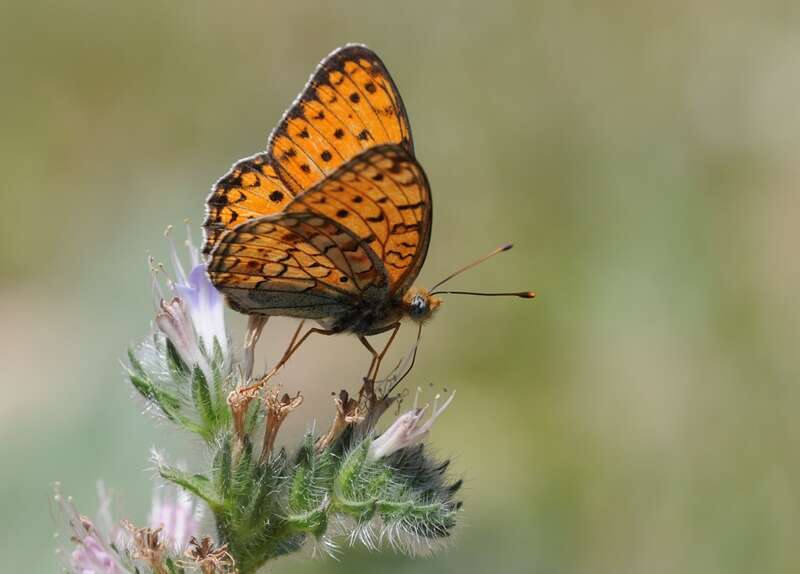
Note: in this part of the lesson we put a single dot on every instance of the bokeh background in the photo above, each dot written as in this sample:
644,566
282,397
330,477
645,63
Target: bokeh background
639,416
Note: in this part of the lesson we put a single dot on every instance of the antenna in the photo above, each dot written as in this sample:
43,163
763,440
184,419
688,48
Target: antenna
489,255
521,294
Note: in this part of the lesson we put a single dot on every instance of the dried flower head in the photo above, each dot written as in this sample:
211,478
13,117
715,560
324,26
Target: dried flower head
278,408
147,545
210,559
349,411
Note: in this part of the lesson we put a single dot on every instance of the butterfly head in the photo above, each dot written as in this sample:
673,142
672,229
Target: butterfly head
420,305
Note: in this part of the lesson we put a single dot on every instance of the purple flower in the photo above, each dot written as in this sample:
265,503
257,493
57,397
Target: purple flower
407,430
178,518
91,557
191,311
174,321
204,302
92,553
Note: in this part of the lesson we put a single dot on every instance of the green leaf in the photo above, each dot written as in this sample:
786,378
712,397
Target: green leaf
136,365
363,510
143,386
314,522
168,402
350,472
202,400
197,484
379,482
303,478
220,398
216,356
177,368
243,474
222,468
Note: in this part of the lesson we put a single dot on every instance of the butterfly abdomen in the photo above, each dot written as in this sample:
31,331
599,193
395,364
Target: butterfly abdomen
368,319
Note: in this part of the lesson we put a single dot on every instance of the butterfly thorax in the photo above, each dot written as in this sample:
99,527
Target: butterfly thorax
373,317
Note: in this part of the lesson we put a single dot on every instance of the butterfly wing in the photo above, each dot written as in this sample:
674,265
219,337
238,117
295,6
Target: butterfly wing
383,198
349,104
358,236
295,264
250,189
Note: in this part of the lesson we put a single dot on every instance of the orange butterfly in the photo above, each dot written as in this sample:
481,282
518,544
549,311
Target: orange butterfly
332,222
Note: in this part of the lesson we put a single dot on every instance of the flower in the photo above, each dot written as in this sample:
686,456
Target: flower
191,310
209,558
91,557
407,430
206,305
178,518
108,547
173,320
93,553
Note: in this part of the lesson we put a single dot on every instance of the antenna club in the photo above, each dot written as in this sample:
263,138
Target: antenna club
528,295
506,247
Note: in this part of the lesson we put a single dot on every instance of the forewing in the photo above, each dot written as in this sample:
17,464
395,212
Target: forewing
250,189
349,104
383,198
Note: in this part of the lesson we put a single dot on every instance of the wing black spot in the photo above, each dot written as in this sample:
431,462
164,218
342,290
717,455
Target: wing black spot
377,177
339,133
326,156
363,134
370,87
358,199
342,213
410,206
355,97
276,196
306,168
303,133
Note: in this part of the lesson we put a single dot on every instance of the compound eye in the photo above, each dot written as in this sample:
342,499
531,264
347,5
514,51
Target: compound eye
418,306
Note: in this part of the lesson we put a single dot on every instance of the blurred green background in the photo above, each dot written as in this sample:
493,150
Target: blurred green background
639,416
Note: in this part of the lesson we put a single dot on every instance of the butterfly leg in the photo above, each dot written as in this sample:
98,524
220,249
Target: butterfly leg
255,324
368,390
374,354
286,353
293,346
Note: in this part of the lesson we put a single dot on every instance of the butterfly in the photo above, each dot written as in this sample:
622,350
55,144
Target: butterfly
332,222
